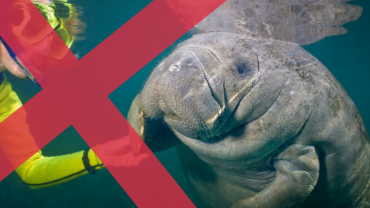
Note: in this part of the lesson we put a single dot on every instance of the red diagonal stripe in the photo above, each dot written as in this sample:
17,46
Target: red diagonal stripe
75,92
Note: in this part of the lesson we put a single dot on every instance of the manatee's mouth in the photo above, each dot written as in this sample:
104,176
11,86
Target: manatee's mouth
225,116
153,131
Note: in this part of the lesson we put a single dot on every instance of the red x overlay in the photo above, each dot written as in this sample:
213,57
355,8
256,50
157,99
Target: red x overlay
75,92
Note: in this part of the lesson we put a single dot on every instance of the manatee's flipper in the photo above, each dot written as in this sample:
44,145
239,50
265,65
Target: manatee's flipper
297,171
154,131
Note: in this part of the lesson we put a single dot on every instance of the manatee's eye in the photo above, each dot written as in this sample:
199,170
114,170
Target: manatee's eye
243,68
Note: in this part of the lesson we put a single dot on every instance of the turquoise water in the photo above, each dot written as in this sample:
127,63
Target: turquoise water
346,56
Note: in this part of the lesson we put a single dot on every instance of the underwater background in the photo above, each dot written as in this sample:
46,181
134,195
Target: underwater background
346,56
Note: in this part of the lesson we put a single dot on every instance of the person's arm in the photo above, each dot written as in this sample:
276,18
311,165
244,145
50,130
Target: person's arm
40,171
19,145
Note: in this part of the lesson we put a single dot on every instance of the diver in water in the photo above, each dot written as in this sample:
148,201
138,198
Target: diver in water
39,171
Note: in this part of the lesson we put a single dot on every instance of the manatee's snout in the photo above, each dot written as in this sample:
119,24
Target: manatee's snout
196,90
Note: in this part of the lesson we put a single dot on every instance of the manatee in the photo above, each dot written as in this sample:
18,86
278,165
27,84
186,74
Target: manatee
257,123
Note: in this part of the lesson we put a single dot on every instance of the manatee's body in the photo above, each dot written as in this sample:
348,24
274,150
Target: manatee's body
262,123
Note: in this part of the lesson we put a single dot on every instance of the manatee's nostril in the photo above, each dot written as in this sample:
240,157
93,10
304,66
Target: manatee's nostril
174,68
241,71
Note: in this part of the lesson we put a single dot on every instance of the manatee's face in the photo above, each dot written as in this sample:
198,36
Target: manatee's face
199,88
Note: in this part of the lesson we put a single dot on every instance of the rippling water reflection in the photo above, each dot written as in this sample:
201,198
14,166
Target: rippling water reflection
302,22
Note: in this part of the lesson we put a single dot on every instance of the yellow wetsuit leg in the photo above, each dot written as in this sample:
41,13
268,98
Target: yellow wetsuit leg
17,143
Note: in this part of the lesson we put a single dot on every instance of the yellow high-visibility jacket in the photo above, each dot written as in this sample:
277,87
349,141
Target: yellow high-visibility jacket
38,171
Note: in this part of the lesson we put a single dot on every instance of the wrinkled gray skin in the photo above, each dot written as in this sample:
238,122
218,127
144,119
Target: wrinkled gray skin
258,123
